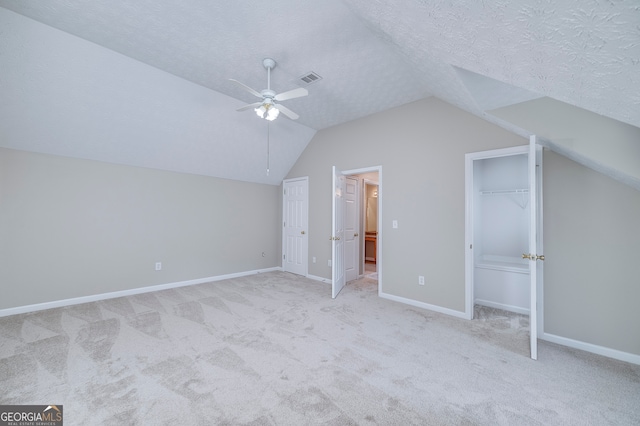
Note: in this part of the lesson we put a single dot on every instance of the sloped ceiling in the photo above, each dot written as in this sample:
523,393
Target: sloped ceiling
371,55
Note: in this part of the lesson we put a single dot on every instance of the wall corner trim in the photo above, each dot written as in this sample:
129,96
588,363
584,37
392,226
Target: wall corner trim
589,347
112,295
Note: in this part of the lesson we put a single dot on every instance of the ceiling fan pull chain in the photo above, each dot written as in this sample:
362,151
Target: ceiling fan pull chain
268,140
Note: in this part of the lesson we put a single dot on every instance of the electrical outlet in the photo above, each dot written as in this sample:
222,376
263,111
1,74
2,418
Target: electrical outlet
158,266
329,263
420,280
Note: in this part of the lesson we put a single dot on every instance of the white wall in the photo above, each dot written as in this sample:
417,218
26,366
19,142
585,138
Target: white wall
72,228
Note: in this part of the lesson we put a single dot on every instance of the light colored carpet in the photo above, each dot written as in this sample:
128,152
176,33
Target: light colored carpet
275,349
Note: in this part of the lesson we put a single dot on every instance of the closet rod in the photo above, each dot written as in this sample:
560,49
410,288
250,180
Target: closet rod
505,191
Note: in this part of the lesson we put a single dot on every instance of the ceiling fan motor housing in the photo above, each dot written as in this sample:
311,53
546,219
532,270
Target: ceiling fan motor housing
269,63
268,94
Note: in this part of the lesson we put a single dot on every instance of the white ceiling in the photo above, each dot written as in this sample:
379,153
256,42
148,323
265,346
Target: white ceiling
373,55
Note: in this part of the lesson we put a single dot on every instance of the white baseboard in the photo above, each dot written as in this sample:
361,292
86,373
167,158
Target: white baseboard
423,305
588,347
323,280
121,293
502,306
576,344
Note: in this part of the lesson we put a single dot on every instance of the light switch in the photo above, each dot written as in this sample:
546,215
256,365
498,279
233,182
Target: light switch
394,224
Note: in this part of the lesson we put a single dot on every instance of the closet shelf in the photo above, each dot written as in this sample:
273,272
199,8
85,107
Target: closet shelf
505,192
519,196
502,263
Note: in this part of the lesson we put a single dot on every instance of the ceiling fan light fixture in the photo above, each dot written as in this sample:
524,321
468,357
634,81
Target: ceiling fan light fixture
272,113
261,111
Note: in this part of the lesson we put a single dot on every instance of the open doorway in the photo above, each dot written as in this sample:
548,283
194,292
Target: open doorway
370,227
503,235
359,222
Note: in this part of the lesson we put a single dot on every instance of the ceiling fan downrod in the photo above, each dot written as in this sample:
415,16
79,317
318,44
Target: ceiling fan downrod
269,64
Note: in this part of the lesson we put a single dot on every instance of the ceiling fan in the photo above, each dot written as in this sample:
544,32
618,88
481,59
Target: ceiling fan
268,108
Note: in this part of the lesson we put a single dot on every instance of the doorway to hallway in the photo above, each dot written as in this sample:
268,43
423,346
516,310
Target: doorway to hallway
357,221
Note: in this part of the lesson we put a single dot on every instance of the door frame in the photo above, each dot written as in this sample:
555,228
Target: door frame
379,257
284,229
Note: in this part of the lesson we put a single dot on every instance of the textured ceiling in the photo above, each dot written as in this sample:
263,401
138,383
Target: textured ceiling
374,55
208,42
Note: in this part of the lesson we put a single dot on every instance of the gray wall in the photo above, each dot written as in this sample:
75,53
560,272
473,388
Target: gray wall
71,228
421,148
592,250
591,229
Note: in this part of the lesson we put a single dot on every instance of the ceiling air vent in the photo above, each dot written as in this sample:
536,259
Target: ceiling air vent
310,77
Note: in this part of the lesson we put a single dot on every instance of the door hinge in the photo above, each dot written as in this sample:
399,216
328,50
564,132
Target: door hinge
284,224
284,192
470,246
284,256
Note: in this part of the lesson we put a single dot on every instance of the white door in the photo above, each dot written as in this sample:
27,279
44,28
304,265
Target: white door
295,220
351,228
337,227
535,255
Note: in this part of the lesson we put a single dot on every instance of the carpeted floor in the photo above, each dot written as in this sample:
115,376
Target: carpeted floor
275,349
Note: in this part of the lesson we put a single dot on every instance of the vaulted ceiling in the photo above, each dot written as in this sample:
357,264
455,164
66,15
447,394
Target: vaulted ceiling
371,56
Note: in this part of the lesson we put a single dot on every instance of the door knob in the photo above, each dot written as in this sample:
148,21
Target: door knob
355,235
533,256
302,232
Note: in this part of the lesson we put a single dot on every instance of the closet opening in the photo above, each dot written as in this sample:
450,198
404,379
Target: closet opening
503,273
499,218
360,236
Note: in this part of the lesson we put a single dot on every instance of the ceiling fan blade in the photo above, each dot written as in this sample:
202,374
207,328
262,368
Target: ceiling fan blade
247,88
291,94
286,111
246,107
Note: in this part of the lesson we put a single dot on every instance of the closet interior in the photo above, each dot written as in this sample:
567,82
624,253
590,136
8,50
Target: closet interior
501,233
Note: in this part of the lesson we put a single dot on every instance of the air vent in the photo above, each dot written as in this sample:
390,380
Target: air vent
310,77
